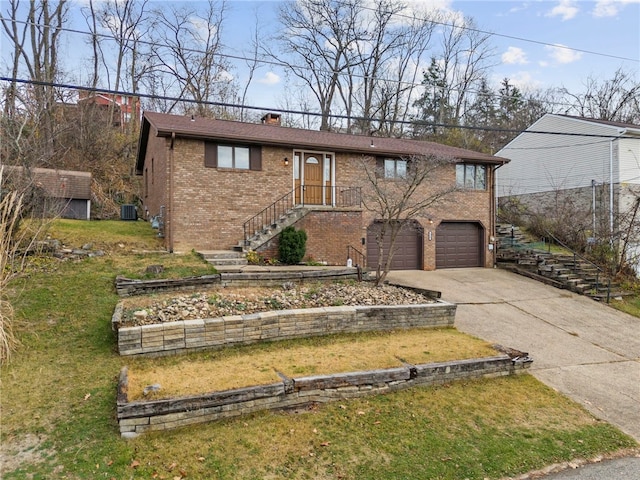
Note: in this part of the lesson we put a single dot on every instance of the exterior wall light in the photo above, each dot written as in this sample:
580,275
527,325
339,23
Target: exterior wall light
286,161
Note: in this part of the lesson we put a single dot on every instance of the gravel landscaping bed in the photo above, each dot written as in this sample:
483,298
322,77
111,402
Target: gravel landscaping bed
246,300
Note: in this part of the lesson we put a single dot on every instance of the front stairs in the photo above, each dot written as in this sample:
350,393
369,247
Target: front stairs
232,260
225,261
266,232
564,271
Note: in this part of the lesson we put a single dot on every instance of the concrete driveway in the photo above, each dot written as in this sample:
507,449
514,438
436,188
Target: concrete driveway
586,350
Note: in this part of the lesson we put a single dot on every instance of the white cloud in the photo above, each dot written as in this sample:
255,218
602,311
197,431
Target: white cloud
561,54
565,9
270,78
514,56
610,8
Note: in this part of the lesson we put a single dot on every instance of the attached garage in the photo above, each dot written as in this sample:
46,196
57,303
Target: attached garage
459,245
408,246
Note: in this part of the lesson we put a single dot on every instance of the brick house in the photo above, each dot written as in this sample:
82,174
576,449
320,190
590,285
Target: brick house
219,185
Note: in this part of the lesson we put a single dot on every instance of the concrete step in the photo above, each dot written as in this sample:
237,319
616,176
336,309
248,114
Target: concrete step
224,258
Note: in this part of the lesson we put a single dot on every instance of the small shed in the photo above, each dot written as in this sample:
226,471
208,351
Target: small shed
66,193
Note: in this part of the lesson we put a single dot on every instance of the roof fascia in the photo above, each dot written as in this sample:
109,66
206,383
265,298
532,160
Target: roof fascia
375,151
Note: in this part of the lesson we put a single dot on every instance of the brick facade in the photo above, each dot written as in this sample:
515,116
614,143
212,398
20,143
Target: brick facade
205,208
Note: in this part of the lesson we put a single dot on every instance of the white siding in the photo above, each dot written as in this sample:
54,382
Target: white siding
629,151
546,162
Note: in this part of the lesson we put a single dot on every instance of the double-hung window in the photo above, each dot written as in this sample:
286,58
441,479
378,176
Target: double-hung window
471,176
395,168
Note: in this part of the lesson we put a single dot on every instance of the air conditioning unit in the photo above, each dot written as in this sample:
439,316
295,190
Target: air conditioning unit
128,212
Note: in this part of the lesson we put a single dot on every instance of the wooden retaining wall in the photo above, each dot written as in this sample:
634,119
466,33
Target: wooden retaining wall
135,418
191,335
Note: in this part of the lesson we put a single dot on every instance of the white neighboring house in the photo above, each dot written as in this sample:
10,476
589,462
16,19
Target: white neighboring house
577,159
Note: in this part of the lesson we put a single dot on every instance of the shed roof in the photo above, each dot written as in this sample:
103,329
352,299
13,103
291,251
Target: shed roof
165,125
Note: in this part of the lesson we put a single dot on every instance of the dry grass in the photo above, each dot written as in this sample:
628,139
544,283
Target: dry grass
247,366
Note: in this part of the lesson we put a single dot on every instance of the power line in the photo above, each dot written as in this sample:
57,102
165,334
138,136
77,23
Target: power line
300,112
265,61
520,39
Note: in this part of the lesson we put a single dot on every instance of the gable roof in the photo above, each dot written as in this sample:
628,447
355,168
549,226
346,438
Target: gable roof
165,125
551,124
67,184
608,123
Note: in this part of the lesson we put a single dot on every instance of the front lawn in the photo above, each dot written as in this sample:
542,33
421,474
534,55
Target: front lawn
58,404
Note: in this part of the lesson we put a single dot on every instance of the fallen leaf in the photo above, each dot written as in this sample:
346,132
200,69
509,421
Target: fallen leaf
172,466
97,465
201,459
325,444
110,463
315,430
87,396
343,407
377,423
135,464
360,412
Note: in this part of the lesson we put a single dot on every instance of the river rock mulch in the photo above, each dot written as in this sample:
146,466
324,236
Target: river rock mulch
246,300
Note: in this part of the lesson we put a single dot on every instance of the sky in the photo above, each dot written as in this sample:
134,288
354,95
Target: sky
603,36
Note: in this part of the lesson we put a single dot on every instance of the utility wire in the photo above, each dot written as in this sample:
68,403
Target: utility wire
300,112
265,61
520,39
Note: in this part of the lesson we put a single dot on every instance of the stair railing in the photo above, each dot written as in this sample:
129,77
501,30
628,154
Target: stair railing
576,255
336,196
358,259
269,215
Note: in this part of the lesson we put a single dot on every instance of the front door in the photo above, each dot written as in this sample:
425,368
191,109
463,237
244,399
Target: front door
313,179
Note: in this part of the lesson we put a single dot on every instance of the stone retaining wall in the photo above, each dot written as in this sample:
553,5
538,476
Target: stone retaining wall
126,287
135,418
190,335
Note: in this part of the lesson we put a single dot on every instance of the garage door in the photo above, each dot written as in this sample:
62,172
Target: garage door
459,244
408,247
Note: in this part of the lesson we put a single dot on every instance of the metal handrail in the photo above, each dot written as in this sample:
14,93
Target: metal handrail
338,196
358,258
268,215
577,255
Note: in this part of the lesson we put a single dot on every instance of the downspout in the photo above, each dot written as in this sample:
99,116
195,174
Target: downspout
620,134
170,194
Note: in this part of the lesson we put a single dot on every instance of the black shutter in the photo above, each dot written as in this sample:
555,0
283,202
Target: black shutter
255,158
210,155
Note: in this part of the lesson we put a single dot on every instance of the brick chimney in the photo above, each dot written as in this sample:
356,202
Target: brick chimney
271,119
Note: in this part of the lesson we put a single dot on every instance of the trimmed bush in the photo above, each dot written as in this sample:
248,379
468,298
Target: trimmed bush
293,244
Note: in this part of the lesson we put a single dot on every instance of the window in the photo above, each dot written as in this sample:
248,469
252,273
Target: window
394,168
232,156
471,176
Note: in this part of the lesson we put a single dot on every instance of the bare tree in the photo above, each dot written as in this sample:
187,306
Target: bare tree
320,37
186,54
35,47
616,99
398,195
